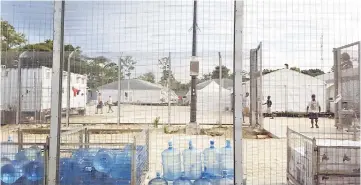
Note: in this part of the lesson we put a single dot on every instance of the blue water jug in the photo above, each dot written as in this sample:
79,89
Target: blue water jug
33,153
203,180
226,179
158,181
211,177
8,174
192,162
182,180
122,165
103,161
84,159
69,171
171,161
212,159
4,161
34,170
226,158
19,165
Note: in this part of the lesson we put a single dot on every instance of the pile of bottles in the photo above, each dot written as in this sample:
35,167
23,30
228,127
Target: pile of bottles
211,166
84,167
21,167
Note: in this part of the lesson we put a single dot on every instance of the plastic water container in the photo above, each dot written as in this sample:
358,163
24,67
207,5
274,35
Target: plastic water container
122,165
192,161
34,170
211,159
18,165
103,161
158,181
4,161
182,180
203,180
171,161
84,158
8,174
8,150
68,172
33,153
226,179
226,158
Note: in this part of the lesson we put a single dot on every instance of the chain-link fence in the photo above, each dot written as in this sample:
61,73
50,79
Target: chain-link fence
122,87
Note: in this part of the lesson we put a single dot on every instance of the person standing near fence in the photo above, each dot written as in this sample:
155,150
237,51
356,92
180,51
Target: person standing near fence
110,104
99,104
313,109
269,107
245,105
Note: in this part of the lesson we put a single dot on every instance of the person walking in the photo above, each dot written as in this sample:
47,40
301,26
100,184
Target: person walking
110,104
245,105
99,104
269,107
313,109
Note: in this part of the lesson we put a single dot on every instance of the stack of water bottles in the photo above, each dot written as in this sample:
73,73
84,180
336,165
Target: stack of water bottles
211,166
21,167
84,167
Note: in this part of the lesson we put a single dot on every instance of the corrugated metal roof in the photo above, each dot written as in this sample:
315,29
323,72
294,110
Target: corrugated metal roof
134,84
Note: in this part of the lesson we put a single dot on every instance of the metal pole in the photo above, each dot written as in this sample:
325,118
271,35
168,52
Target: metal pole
260,85
18,115
168,86
56,93
220,89
237,91
193,111
68,89
119,89
335,77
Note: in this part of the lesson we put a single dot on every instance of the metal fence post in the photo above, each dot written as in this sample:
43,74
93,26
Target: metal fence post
20,139
237,91
134,165
86,135
56,93
147,143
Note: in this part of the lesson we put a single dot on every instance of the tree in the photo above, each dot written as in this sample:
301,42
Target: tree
313,72
10,39
127,65
295,69
266,71
225,72
166,71
149,77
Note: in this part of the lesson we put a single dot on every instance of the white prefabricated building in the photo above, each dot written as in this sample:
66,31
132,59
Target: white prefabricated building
291,91
36,89
208,95
137,91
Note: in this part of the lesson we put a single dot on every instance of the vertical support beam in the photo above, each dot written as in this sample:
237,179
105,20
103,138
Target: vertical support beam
260,70
56,92
134,165
193,111
20,139
220,89
237,91
335,77
119,89
148,145
253,88
169,87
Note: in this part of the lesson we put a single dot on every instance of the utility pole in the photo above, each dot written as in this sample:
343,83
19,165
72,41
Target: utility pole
194,70
220,89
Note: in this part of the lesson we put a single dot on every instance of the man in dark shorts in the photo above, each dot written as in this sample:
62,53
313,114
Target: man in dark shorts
269,107
313,109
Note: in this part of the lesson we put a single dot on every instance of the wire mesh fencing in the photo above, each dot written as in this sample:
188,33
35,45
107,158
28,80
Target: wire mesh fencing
126,91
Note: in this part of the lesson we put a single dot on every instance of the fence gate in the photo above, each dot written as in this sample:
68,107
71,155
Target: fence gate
347,84
256,95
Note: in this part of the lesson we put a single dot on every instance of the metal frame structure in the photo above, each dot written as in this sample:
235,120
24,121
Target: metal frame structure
338,76
237,91
314,157
256,95
84,134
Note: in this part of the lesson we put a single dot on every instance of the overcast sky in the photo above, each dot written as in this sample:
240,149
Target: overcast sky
290,30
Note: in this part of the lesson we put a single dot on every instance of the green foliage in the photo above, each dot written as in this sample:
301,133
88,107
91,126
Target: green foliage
127,65
166,72
149,77
225,72
311,72
10,39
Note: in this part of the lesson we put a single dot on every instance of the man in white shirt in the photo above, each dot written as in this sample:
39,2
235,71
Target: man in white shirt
313,109
110,104
245,105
